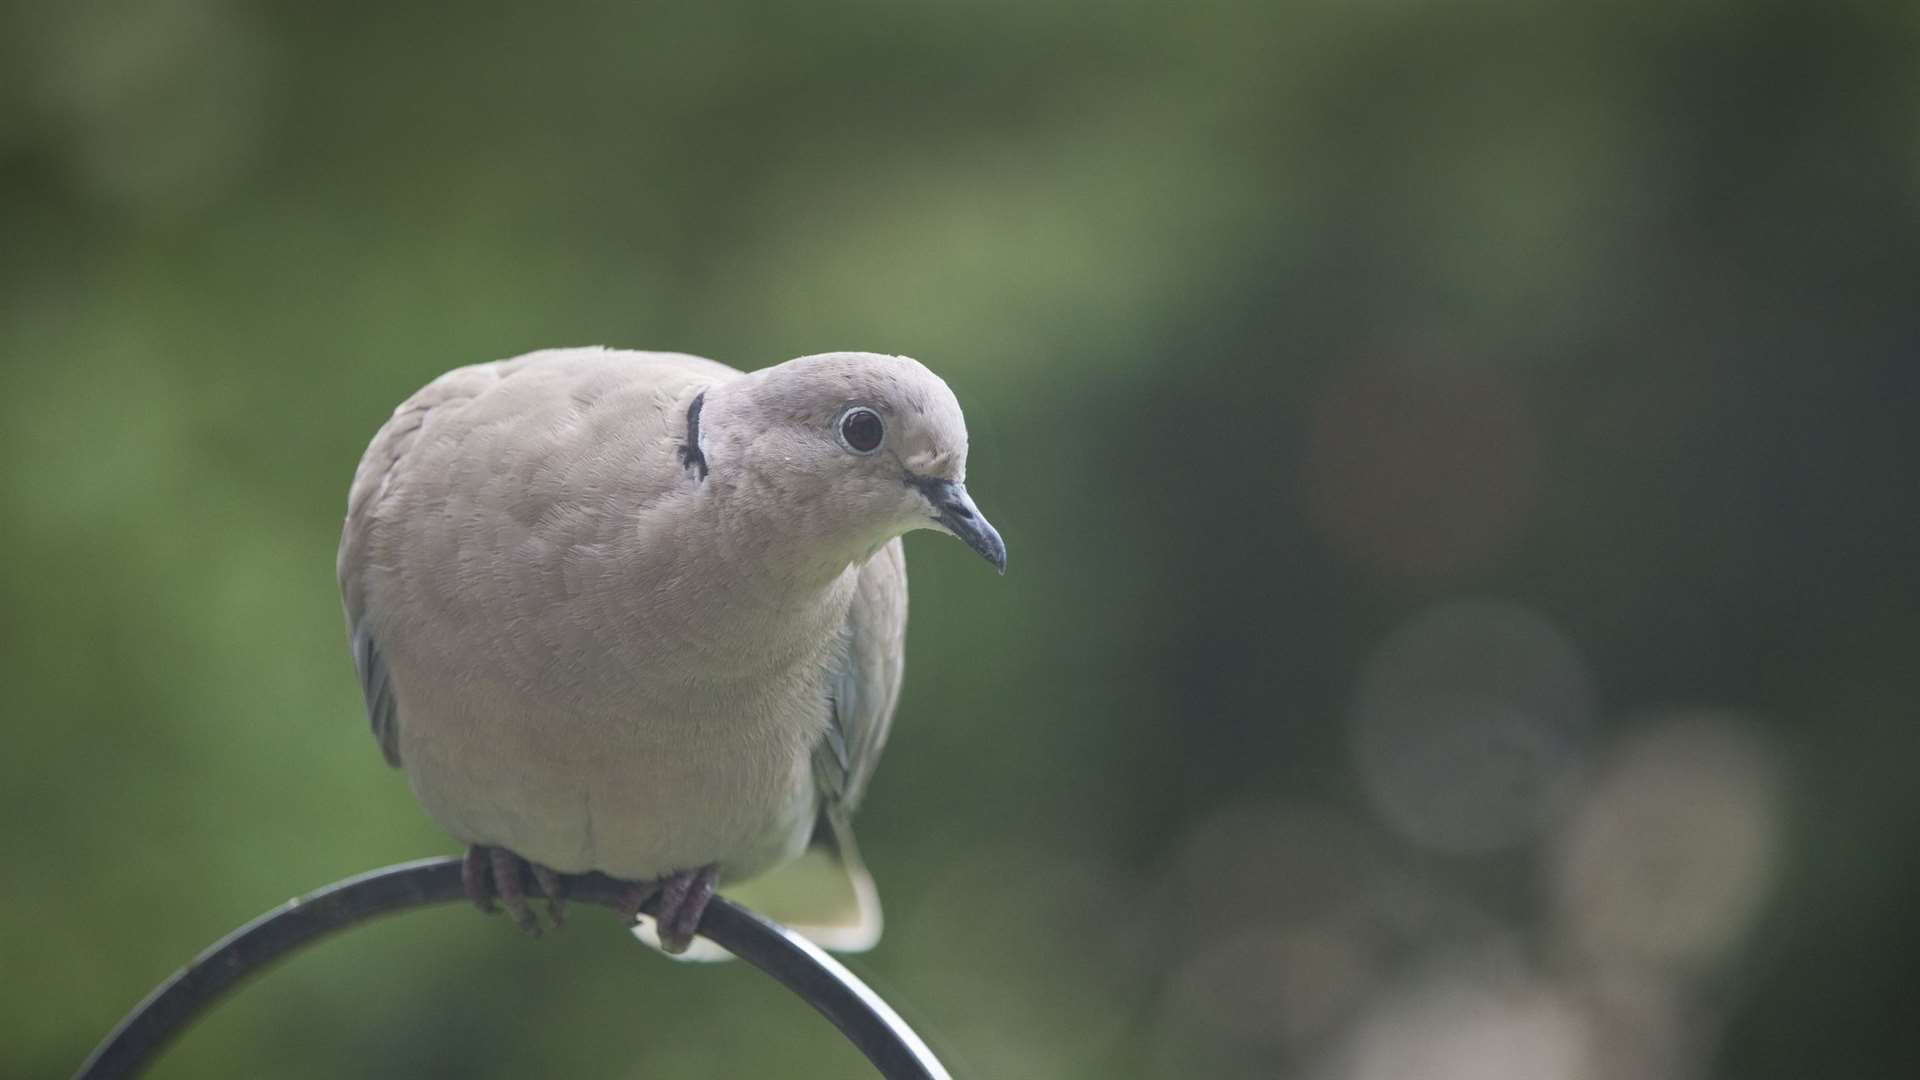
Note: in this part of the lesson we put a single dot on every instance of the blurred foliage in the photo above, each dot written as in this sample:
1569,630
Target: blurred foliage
1458,463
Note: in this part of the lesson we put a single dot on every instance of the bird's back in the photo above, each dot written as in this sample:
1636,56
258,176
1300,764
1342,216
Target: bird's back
460,446
475,514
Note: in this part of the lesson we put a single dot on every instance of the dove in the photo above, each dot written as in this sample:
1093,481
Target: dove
644,614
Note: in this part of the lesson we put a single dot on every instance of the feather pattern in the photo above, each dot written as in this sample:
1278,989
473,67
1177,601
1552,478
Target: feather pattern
863,683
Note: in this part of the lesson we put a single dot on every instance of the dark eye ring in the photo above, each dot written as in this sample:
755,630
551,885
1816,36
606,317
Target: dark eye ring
861,430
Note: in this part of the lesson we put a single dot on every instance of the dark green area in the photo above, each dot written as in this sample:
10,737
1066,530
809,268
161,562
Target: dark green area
1279,327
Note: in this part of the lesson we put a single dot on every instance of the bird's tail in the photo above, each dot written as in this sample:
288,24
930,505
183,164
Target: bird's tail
825,895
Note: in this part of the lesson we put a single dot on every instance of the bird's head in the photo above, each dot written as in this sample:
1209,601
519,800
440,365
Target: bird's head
856,448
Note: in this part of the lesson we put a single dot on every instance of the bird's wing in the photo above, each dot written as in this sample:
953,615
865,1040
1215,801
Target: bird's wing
371,481
461,413
863,686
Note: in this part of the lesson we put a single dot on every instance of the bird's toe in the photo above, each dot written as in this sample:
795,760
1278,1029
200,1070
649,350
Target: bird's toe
633,896
476,878
511,889
683,900
555,888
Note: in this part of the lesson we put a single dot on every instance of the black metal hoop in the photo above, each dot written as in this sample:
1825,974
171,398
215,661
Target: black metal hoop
801,966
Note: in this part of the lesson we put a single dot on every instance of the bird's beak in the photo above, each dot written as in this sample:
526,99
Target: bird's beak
954,511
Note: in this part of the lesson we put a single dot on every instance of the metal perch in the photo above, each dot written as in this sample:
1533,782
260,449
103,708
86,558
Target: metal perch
797,963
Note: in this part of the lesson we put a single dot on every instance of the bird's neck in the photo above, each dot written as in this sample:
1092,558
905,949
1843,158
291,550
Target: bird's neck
718,590
751,557
788,548
788,527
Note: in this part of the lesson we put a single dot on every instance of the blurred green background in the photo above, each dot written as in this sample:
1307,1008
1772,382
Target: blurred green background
1457,458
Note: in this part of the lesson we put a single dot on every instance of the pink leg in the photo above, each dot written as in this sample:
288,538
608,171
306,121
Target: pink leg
555,889
512,893
476,876
683,900
490,872
636,894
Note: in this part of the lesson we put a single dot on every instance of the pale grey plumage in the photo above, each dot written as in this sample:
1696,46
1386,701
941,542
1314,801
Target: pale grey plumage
604,648
863,684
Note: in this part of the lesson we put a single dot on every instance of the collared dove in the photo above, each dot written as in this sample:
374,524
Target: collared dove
644,614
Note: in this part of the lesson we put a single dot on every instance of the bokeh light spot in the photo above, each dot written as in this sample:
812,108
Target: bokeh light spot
1674,849
1477,1016
1469,725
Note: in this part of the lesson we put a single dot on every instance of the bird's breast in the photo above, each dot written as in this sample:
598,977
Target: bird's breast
639,776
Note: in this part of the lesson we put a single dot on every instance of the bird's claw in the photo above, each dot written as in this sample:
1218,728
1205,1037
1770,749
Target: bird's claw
683,900
637,893
555,888
488,873
491,873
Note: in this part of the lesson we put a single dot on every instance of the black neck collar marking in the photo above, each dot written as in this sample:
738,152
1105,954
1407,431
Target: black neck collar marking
690,455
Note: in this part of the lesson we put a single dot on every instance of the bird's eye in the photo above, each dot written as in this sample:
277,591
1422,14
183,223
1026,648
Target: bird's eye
861,430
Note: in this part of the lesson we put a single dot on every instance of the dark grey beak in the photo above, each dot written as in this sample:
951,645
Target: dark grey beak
953,508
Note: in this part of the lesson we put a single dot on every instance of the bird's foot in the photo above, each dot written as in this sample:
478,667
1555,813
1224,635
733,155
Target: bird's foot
683,900
491,872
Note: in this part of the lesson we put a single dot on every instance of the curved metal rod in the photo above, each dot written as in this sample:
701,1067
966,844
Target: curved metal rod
797,963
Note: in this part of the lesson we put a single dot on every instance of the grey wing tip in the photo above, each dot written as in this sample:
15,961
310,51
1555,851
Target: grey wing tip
377,688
